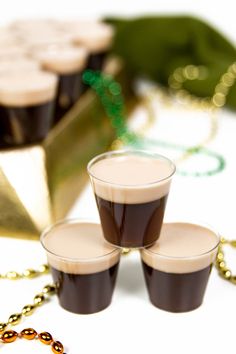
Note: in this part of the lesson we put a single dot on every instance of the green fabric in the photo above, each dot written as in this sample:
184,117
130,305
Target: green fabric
154,46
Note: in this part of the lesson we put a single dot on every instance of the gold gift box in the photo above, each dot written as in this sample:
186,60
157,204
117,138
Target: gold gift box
39,184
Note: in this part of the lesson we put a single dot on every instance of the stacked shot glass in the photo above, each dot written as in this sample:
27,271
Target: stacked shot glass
131,190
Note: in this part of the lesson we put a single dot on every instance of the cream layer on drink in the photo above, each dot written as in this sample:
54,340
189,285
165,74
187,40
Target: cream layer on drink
182,248
131,179
79,248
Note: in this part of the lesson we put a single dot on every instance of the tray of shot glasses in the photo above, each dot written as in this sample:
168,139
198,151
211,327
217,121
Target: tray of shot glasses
51,124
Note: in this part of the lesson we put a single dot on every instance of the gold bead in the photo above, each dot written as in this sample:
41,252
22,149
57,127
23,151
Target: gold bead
220,256
45,338
57,347
220,265
174,84
28,310
182,94
39,299
12,275
3,326
9,336
206,104
228,79
178,75
29,273
191,72
226,273
14,319
44,268
28,333
49,289
125,251
218,99
221,88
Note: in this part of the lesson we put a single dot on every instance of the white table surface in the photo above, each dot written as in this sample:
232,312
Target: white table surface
131,323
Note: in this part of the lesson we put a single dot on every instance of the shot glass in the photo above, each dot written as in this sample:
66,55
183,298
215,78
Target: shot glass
83,265
27,103
97,37
68,63
177,267
131,190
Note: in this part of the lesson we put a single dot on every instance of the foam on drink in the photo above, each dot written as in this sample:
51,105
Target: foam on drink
95,36
182,248
22,90
62,59
79,248
22,64
133,178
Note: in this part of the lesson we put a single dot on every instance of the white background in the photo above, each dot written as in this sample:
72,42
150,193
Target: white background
220,13
132,324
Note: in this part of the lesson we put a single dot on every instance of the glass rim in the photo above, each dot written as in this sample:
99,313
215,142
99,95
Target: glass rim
130,151
198,223
74,259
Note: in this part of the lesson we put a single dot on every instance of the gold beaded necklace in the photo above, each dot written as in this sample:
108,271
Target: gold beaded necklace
11,336
39,298
221,265
28,273
27,310
47,292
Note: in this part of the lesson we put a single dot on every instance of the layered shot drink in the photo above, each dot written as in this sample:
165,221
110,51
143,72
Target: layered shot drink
97,37
131,190
27,103
178,265
68,62
83,265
